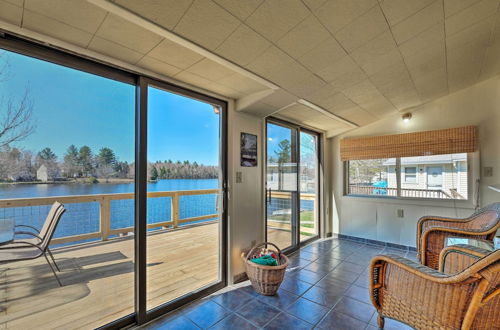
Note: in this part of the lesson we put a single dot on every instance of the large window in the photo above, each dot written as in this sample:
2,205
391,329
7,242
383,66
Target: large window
436,176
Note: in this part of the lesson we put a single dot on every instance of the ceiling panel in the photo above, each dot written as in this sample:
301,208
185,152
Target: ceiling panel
363,58
206,24
155,10
310,117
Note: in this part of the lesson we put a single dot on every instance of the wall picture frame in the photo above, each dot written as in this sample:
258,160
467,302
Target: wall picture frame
248,150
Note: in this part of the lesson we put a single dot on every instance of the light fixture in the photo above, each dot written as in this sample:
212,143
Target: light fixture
406,117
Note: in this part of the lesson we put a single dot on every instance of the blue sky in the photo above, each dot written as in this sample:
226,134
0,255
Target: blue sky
73,107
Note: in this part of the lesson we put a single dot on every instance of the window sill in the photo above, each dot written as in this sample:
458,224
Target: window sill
460,203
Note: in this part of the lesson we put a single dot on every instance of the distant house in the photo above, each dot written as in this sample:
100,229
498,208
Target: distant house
42,173
447,173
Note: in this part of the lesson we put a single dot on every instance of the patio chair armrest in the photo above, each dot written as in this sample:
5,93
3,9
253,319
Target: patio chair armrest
27,226
428,221
27,233
457,257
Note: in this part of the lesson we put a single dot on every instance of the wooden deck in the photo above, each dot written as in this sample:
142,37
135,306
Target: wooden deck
98,279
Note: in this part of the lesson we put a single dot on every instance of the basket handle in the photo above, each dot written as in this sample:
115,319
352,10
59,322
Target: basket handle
261,244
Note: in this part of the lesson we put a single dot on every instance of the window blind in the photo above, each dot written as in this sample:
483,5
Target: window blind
438,142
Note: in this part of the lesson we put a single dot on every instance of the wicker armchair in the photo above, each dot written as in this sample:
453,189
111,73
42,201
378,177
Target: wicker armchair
432,231
427,299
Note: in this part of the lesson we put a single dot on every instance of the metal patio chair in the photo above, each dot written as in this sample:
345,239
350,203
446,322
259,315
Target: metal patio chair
32,248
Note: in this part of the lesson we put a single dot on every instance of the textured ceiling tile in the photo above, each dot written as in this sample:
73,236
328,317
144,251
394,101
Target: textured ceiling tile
367,96
207,24
478,33
77,13
396,85
260,109
270,63
240,9
310,117
314,4
358,116
471,15
42,24
463,65
397,10
11,13
323,94
451,7
428,60
121,31
432,85
362,29
273,19
343,73
279,98
429,38
322,55
336,14
243,46
241,83
421,21
491,64
303,37
18,3
210,70
158,66
174,54
115,50
166,13
304,84
377,54
198,81
338,103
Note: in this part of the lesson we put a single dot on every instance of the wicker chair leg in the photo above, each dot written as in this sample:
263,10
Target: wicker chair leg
380,322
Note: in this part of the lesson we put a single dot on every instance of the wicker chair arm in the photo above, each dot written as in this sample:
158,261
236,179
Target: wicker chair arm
468,254
427,221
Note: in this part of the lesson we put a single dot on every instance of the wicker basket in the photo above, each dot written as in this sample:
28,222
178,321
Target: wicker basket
265,279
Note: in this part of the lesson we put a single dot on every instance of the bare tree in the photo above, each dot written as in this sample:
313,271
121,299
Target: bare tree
16,121
16,118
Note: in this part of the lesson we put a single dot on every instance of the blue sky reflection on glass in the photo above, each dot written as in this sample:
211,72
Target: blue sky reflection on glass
74,107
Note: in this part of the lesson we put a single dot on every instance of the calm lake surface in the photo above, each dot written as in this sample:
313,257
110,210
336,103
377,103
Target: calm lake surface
83,218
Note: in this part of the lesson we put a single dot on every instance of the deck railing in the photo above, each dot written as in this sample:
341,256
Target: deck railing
405,192
104,200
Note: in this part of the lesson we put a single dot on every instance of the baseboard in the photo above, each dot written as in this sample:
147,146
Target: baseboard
241,277
375,242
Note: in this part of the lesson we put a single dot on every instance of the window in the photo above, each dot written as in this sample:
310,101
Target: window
372,177
411,174
436,176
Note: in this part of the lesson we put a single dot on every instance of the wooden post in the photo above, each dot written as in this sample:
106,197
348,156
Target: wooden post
105,217
175,209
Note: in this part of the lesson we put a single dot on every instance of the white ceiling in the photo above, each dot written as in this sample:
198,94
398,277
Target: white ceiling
357,59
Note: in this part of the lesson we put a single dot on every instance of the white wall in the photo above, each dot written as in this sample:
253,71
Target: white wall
375,218
246,207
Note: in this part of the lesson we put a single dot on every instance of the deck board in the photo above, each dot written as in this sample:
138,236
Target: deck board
98,279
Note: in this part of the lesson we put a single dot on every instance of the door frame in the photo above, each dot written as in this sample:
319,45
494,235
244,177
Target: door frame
23,46
295,225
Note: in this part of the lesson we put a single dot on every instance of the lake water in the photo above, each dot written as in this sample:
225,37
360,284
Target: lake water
83,218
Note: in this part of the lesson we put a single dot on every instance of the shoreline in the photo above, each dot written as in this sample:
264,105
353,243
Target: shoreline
79,181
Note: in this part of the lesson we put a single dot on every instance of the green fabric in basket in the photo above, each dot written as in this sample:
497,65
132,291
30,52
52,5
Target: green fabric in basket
266,260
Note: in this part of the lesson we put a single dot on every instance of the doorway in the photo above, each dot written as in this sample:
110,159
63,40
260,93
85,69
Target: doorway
292,184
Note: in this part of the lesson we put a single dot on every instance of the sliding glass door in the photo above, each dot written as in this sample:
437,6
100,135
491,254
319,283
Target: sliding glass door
139,165
292,190
184,185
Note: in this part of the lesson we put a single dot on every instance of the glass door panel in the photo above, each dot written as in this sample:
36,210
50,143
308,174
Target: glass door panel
308,181
184,189
281,185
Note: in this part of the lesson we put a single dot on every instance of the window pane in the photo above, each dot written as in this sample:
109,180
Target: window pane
74,140
436,176
372,177
308,167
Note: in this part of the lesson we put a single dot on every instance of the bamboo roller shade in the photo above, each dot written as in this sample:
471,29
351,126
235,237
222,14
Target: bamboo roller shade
439,142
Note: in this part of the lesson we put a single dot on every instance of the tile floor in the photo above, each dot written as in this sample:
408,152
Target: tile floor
325,287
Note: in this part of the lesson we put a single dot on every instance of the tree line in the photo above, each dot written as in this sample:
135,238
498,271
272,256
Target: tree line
22,166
